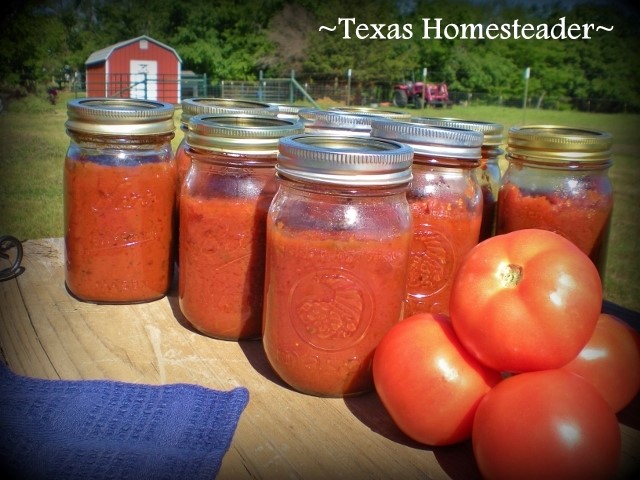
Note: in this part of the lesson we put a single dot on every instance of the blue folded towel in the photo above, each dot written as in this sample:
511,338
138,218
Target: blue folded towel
101,429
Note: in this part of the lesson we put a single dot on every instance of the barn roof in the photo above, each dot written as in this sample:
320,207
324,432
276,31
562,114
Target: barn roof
101,55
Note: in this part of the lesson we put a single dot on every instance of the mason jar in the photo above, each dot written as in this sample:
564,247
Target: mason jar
119,199
223,209
446,205
488,172
212,106
338,241
557,179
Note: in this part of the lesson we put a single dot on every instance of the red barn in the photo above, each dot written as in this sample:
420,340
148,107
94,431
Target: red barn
138,68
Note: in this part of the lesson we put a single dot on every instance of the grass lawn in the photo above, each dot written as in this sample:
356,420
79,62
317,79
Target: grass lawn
32,157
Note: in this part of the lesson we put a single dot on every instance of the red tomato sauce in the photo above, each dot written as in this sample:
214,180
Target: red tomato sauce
330,303
119,230
222,260
584,221
444,231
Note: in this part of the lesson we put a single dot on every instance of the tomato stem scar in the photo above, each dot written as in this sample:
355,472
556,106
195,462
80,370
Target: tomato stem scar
510,275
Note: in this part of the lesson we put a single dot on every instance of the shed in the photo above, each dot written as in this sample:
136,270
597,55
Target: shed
138,68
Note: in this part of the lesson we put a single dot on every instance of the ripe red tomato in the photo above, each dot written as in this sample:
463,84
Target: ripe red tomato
526,300
611,361
549,424
427,382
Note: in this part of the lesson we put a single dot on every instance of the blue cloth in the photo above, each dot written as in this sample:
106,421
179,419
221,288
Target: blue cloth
101,429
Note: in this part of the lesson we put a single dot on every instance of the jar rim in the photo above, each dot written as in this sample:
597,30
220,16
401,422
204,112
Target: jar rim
492,132
375,112
240,133
430,140
336,122
288,107
221,105
344,160
559,143
119,116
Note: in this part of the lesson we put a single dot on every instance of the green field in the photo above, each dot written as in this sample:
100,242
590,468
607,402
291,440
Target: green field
32,156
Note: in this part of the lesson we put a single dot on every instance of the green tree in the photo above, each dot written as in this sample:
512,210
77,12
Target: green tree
225,39
40,40
368,57
32,45
609,63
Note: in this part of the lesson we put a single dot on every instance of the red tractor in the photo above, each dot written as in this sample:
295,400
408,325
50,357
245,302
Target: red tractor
435,94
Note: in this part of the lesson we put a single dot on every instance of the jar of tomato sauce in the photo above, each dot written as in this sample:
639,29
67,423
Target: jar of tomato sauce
119,199
338,240
344,122
557,179
214,105
446,205
488,172
223,209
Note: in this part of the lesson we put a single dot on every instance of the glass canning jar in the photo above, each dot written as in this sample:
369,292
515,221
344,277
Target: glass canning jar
212,106
223,209
488,172
446,205
338,240
119,199
557,179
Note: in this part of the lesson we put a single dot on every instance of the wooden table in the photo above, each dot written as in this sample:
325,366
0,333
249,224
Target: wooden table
46,333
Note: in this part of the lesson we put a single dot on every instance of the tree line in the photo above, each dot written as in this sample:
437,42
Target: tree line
43,41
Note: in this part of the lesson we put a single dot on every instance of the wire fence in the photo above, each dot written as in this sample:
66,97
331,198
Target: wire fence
326,89
380,93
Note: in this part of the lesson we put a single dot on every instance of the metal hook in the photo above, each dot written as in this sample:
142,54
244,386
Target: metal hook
8,242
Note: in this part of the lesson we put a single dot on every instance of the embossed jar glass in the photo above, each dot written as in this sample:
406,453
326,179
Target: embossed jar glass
338,240
223,208
119,199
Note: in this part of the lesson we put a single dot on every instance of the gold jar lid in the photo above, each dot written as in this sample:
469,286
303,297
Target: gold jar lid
559,143
492,132
240,133
119,116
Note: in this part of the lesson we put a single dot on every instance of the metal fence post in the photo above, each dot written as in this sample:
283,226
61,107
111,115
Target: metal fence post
526,75
260,86
293,79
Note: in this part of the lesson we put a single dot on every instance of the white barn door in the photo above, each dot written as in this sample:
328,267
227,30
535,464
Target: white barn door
138,69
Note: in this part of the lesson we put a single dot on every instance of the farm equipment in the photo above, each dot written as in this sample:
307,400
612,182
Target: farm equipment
421,95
